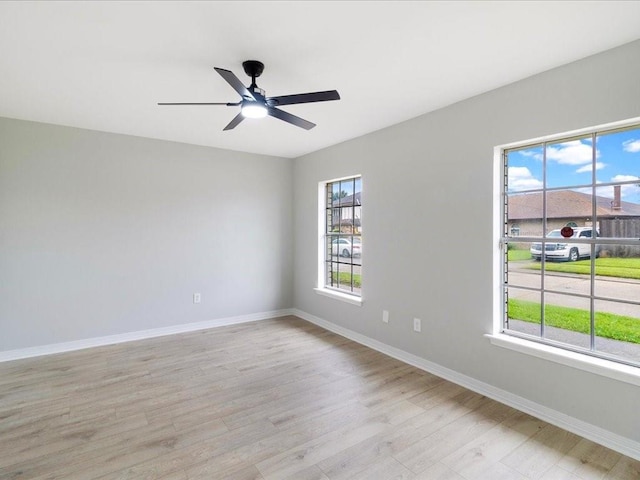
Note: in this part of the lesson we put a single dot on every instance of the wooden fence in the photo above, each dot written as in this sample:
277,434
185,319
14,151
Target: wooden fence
620,228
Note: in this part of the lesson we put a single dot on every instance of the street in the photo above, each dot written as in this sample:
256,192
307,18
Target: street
610,287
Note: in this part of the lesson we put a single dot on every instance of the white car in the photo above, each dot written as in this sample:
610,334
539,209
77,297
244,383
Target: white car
342,246
565,251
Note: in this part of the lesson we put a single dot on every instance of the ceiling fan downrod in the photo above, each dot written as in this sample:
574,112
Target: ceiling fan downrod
253,68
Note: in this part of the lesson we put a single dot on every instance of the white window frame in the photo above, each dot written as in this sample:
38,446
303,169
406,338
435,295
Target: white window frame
321,288
600,366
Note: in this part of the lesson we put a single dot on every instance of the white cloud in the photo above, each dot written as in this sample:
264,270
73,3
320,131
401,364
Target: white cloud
586,191
631,146
571,153
520,178
575,152
624,178
626,191
532,153
587,167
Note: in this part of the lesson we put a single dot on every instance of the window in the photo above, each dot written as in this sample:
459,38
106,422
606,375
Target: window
341,239
571,270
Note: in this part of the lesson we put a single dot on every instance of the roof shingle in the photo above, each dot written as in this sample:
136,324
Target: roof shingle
566,204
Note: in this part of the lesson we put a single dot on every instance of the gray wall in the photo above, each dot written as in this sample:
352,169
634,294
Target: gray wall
105,234
428,232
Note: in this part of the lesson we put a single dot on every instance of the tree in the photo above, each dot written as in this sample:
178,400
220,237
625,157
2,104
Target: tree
337,196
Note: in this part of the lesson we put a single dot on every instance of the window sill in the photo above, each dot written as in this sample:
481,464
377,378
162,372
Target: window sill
343,297
599,366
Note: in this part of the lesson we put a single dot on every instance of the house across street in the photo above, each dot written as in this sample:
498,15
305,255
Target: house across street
615,218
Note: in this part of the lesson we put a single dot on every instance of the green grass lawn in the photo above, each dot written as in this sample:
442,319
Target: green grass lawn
607,267
345,279
608,325
516,255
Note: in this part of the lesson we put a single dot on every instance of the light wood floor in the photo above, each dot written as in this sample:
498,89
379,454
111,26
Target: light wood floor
277,399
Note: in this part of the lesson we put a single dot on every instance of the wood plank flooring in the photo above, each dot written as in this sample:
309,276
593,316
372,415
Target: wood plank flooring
278,399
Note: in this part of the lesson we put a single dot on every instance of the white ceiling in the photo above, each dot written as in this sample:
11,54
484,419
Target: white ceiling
105,65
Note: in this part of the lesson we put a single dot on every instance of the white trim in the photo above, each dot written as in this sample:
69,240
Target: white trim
29,352
321,231
599,366
580,361
343,297
339,179
599,435
498,225
322,206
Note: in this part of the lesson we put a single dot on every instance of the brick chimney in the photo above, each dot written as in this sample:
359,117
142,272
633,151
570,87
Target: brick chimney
616,204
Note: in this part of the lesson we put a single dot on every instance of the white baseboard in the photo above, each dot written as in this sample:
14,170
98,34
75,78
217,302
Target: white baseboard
591,432
139,335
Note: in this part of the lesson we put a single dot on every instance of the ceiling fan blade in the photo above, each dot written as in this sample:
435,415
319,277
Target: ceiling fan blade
292,119
304,98
235,83
235,122
191,103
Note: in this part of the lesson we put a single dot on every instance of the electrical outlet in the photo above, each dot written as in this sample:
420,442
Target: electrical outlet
417,325
196,298
385,316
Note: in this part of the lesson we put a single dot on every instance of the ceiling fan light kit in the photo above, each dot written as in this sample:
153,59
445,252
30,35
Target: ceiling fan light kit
253,110
255,104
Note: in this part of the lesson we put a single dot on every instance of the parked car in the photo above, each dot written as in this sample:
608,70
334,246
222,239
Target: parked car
565,251
342,246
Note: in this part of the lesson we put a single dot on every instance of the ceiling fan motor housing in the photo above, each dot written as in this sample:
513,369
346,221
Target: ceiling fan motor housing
253,68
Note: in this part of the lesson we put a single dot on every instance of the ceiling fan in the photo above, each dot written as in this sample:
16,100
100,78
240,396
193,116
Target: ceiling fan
255,103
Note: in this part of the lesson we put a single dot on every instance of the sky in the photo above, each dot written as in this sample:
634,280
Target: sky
570,164
347,186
